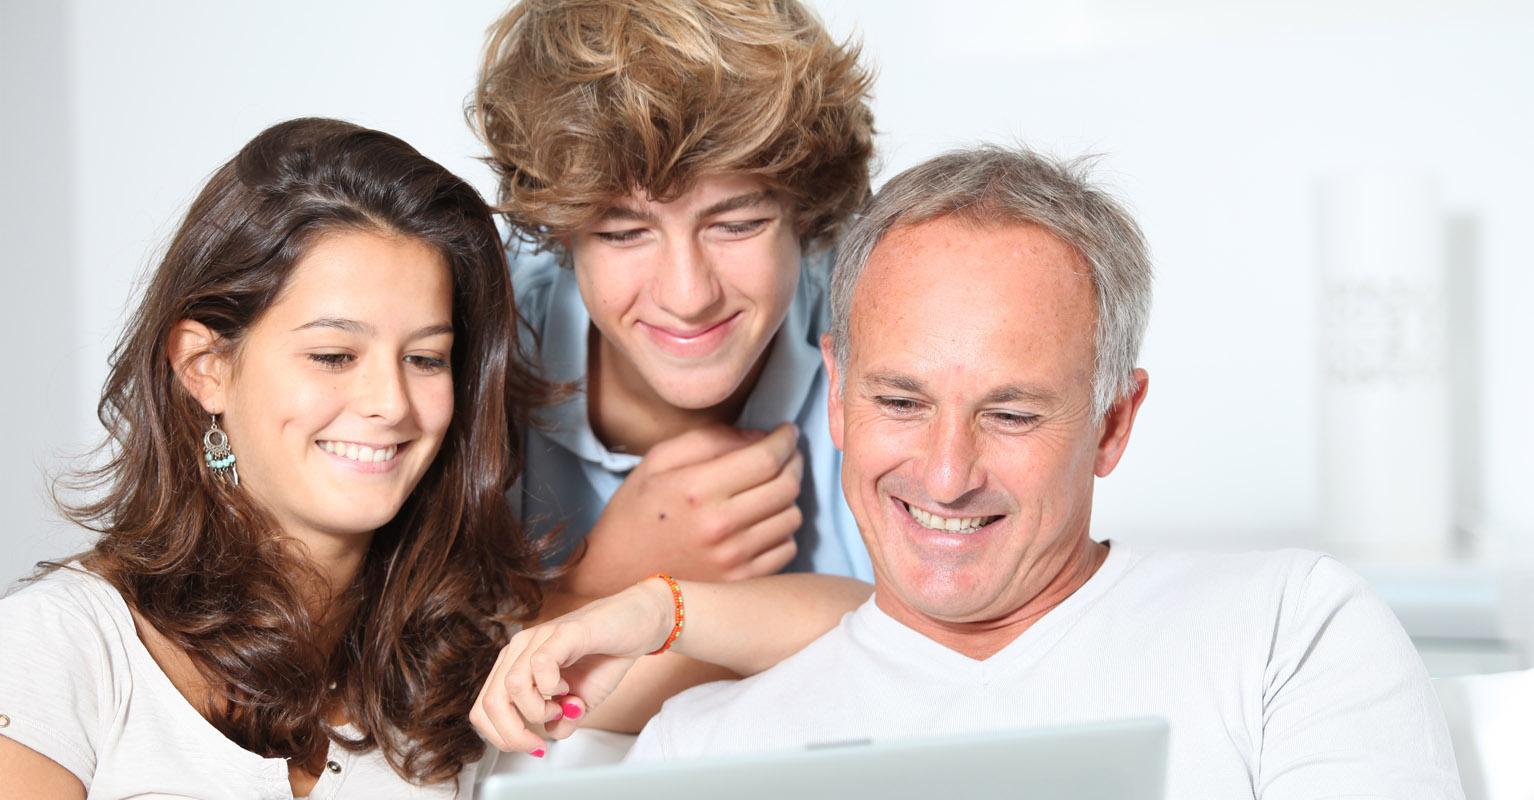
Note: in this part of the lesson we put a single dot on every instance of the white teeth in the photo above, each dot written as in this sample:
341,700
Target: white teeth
954,524
359,452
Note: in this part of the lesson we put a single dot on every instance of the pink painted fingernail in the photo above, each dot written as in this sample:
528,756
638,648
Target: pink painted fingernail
572,711
539,753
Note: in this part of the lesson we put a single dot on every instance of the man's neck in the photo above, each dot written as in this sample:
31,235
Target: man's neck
984,638
628,416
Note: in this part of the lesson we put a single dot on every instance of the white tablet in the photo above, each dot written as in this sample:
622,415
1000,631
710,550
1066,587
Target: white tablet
1124,760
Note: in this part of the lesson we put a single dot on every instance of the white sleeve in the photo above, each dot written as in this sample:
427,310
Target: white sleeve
54,677
1348,709
652,744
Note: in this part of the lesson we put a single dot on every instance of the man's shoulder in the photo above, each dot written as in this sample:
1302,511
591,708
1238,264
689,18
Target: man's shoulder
1231,588
1201,571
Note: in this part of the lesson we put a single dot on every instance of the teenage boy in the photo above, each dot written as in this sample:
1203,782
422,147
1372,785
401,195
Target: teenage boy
677,174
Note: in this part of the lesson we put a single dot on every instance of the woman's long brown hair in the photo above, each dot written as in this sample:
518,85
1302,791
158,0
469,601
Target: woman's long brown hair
207,567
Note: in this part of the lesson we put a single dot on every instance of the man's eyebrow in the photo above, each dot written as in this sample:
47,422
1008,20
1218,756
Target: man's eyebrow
893,381
737,202
1020,393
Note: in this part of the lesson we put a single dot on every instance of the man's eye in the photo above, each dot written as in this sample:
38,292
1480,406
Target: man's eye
1012,419
331,360
898,405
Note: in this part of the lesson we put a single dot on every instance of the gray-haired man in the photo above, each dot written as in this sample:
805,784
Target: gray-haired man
989,309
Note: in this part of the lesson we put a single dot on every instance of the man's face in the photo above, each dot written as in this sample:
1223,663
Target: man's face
966,417
688,294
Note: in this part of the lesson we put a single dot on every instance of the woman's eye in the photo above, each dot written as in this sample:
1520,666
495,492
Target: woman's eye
331,360
427,364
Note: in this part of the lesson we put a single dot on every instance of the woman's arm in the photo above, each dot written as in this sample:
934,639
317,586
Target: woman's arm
554,673
34,776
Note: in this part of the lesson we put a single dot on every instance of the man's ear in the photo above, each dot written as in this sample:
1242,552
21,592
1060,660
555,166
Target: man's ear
833,390
197,356
1119,421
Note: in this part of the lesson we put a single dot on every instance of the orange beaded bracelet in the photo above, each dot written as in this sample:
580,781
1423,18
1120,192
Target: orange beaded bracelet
676,604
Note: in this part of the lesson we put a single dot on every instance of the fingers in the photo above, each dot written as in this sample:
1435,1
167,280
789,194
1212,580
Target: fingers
772,561
764,500
768,545
755,463
573,709
532,701
495,716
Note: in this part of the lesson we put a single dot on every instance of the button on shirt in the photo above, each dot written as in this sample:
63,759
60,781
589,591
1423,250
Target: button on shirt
570,474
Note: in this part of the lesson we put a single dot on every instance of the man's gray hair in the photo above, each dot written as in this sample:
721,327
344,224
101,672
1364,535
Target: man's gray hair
993,184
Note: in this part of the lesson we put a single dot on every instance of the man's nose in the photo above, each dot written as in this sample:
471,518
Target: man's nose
685,284
953,460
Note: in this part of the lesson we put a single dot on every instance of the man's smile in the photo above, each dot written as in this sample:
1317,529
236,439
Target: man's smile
946,524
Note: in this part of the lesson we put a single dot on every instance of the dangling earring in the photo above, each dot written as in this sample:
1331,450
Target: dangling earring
217,455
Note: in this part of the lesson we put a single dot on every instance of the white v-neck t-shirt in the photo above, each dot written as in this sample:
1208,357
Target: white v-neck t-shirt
1282,676
78,686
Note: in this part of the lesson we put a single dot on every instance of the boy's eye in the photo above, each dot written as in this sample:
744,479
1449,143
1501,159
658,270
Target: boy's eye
619,237
742,228
331,360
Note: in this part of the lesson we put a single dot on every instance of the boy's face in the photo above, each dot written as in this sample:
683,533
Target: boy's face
688,294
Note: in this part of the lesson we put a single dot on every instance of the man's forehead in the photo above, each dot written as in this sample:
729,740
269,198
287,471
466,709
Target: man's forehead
896,379
1008,302
1006,266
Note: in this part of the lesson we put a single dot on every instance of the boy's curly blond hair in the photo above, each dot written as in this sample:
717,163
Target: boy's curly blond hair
584,101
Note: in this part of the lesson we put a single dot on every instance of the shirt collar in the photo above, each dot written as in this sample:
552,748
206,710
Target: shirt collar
563,351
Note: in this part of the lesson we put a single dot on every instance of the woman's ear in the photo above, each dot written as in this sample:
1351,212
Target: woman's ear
197,356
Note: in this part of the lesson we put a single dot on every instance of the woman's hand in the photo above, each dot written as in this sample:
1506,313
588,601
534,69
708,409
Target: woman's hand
552,674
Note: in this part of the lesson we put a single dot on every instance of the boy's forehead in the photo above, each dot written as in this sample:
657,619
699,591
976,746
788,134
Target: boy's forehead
711,194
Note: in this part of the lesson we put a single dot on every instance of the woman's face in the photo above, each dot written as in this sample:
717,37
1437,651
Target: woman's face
342,391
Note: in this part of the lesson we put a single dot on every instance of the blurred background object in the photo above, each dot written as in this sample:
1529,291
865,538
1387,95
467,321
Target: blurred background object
1216,121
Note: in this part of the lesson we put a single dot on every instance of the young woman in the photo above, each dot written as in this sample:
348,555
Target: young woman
305,548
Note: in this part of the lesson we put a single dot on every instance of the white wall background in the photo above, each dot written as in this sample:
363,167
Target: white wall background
1216,120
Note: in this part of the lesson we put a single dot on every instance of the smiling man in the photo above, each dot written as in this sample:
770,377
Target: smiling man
989,308
678,173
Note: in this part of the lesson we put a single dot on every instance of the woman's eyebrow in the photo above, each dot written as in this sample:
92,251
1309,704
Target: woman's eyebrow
338,323
363,328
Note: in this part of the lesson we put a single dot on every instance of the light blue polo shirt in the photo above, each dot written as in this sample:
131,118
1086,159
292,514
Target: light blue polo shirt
570,475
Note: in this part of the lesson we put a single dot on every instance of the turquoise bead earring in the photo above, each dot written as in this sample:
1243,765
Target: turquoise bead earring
217,455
